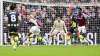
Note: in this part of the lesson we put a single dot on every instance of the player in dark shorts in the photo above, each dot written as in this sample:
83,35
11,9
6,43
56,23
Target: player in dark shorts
13,19
73,27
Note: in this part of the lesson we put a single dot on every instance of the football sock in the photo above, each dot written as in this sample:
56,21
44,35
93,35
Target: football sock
40,38
25,38
82,38
12,42
68,40
16,38
31,40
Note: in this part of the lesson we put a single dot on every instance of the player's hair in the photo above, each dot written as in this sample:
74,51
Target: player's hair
32,16
59,16
80,8
12,7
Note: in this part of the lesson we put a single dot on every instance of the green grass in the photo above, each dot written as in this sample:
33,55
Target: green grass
51,51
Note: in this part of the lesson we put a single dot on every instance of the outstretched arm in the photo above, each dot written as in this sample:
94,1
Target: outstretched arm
33,21
53,27
65,27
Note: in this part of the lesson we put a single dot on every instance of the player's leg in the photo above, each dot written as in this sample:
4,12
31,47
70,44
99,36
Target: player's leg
84,34
31,37
41,39
26,41
80,36
16,39
84,31
63,35
13,42
78,33
12,39
71,31
52,35
68,38
30,32
16,35
79,29
37,32
12,35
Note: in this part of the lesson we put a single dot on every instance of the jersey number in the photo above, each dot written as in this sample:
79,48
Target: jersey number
13,18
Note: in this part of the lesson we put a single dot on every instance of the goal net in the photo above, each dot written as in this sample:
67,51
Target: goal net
46,12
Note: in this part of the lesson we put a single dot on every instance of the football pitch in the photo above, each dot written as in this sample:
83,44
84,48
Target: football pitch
80,50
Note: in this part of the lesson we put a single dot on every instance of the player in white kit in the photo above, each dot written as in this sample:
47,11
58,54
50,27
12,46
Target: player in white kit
58,27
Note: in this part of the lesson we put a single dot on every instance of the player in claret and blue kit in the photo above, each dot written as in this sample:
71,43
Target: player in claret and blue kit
35,30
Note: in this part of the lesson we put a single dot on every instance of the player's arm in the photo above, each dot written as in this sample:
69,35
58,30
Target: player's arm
70,19
33,21
19,18
86,18
65,27
6,19
53,27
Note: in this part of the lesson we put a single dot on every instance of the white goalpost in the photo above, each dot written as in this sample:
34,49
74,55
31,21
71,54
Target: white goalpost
1,22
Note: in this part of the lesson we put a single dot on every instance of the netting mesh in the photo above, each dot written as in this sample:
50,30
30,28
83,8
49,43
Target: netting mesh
48,14
58,1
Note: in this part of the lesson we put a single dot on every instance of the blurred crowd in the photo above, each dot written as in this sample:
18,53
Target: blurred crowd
48,14
57,1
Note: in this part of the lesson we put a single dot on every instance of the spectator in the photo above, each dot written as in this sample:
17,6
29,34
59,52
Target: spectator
48,25
88,12
92,1
44,1
38,14
64,18
43,12
67,1
28,11
18,7
22,23
93,13
53,17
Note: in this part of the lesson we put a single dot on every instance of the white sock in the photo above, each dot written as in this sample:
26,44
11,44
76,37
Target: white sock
69,43
14,46
50,40
85,40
